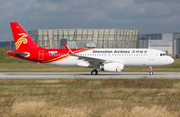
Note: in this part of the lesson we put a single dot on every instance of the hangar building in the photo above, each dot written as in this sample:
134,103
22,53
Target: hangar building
176,43
99,38
157,41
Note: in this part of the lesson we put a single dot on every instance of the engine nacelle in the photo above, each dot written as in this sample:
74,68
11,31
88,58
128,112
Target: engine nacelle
112,67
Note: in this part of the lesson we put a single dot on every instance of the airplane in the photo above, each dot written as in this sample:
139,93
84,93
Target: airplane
110,60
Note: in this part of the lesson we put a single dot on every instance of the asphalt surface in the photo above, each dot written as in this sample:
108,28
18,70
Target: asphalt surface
87,75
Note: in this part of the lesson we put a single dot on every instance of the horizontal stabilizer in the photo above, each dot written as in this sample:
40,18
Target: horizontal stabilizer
23,54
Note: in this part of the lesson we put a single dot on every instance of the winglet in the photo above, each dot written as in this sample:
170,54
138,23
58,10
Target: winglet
67,48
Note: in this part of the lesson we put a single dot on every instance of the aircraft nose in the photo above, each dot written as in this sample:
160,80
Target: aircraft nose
171,60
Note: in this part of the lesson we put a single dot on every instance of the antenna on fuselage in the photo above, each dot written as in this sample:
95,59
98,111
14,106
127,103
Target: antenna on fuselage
149,40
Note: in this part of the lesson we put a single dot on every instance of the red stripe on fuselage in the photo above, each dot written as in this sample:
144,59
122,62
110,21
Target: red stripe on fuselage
59,58
47,57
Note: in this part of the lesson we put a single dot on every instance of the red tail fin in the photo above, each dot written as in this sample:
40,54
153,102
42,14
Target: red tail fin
21,37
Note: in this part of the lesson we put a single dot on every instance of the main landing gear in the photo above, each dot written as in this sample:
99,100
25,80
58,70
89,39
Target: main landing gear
94,72
150,71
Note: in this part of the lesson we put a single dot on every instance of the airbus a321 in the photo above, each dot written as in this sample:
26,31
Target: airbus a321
111,60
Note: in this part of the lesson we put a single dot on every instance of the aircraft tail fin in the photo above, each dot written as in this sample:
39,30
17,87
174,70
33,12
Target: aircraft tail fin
21,37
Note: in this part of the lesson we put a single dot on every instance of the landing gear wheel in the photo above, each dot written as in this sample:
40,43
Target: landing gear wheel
94,72
150,73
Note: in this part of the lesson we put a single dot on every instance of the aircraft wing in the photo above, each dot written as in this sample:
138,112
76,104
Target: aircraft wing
93,60
97,61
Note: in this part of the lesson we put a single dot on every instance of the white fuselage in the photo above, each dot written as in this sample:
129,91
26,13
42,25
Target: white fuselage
130,57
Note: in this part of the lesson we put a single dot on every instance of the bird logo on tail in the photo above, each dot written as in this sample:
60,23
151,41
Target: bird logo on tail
21,40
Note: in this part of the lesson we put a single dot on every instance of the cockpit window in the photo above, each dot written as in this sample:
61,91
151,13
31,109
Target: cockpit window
163,54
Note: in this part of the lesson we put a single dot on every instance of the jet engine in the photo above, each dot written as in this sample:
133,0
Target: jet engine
112,67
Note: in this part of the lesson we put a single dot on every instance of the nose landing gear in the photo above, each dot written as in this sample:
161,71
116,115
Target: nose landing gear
150,71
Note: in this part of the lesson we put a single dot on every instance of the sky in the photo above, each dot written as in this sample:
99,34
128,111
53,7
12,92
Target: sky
147,16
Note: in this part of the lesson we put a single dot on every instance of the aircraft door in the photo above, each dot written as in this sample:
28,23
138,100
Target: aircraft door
41,55
151,54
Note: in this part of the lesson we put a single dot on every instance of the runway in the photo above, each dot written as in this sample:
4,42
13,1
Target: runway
87,75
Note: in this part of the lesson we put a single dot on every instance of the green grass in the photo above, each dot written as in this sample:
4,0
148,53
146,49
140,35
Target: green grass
12,64
90,97
10,59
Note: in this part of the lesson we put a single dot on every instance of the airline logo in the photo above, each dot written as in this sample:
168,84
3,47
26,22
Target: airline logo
21,40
